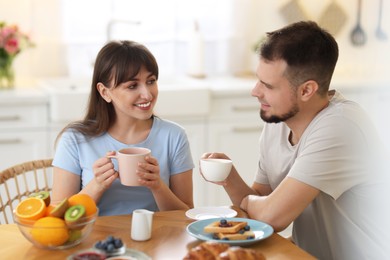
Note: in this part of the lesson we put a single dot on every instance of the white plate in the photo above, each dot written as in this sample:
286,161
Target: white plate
261,230
211,212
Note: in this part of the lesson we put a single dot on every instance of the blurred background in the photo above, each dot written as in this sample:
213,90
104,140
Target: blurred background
69,33
207,59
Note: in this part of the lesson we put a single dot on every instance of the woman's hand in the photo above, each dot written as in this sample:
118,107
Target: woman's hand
104,172
149,173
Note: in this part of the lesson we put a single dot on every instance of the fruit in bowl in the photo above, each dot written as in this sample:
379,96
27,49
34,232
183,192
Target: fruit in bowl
56,226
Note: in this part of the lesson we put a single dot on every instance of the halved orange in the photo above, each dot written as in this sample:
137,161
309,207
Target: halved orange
31,208
86,201
49,209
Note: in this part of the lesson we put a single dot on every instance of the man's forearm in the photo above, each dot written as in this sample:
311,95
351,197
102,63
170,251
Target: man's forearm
236,188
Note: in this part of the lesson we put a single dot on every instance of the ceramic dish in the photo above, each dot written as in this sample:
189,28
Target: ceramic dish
261,230
211,212
131,254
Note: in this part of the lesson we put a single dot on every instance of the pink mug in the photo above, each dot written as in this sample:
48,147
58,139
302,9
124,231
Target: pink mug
128,159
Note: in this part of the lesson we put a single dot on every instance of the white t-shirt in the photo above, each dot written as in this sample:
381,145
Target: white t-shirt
337,154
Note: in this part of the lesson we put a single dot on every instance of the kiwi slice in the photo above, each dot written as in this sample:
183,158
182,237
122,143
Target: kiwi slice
73,216
45,195
74,235
60,209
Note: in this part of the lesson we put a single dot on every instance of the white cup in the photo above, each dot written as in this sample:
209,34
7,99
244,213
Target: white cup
214,169
141,224
128,159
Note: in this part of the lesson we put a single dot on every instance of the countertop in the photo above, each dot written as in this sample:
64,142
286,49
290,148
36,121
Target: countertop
218,87
20,96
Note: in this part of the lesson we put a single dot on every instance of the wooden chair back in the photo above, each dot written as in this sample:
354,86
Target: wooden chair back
19,181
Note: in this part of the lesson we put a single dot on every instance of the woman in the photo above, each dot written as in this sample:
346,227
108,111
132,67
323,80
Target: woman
120,114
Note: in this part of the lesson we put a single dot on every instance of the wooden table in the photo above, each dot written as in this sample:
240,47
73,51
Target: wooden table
169,240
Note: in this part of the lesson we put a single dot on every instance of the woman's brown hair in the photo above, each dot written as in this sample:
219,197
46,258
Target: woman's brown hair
116,62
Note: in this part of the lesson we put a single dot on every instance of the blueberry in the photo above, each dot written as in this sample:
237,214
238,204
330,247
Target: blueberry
118,243
225,238
250,237
104,245
110,247
99,245
223,222
247,228
110,239
242,231
110,244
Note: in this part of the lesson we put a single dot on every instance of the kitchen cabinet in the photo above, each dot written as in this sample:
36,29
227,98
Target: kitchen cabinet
219,115
53,130
23,130
19,146
234,128
196,130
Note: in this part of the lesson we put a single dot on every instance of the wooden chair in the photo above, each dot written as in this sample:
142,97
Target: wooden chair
19,181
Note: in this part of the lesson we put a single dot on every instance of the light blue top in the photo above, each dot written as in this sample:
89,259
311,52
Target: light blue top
168,142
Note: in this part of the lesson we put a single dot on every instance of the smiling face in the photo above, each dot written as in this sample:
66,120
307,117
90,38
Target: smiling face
135,98
277,97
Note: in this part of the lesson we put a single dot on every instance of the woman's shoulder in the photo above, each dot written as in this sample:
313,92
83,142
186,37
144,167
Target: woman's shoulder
167,124
76,135
73,133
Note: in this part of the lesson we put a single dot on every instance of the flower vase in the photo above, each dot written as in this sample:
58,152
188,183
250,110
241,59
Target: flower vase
7,75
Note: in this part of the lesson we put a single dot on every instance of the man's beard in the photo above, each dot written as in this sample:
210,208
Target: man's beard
277,119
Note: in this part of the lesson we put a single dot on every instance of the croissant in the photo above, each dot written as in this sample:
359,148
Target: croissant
238,253
211,250
207,250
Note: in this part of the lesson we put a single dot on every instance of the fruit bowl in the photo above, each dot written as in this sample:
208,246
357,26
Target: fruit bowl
54,233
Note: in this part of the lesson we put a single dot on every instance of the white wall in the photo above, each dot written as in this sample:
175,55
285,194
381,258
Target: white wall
68,33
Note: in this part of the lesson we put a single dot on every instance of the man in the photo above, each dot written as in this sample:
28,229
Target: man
319,164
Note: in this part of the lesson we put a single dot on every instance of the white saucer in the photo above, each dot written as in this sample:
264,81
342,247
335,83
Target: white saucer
211,212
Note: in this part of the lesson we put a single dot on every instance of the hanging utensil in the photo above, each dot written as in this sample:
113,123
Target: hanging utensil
358,36
380,34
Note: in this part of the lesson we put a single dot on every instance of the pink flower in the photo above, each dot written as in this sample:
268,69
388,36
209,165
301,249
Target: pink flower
12,41
9,31
12,46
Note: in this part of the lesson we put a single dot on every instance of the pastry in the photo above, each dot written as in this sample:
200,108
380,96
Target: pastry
237,236
238,253
224,226
214,247
218,251
206,250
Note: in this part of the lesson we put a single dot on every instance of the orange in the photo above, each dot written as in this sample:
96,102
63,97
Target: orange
50,231
49,209
31,208
86,201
